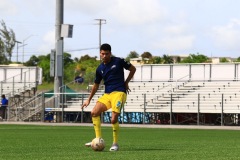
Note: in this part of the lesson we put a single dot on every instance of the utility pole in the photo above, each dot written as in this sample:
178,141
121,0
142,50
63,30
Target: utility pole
17,48
101,21
23,44
58,78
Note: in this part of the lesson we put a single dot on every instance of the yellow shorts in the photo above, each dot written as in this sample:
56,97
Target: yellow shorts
114,100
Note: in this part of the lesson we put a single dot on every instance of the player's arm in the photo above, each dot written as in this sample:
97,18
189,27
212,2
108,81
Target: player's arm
132,70
93,91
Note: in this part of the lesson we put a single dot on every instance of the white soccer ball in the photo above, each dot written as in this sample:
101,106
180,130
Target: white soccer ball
98,144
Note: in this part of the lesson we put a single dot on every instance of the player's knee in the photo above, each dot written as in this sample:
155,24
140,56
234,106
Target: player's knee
94,113
114,120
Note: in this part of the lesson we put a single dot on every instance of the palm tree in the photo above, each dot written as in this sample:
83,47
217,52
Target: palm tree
167,59
8,39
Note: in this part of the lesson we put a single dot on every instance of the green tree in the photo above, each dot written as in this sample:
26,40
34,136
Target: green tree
3,58
237,60
224,60
86,57
88,67
1,46
44,63
67,59
76,59
178,60
69,67
147,55
8,39
90,75
132,54
33,61
69,72
157,60
167,59
195,58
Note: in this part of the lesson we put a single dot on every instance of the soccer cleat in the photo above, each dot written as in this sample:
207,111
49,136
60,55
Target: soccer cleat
114,147
88,144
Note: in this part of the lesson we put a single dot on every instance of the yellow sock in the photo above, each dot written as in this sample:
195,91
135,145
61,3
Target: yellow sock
97,126
115,132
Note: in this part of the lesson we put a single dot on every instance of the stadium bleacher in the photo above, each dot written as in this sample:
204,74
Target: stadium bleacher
189,97
185,94
18,84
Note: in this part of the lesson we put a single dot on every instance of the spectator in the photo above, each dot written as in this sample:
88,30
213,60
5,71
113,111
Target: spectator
79,79
4,104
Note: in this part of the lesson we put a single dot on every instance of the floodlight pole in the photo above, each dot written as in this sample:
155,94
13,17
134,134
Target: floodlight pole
58,77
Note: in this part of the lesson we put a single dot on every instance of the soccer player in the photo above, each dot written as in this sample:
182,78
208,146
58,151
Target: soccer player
111,71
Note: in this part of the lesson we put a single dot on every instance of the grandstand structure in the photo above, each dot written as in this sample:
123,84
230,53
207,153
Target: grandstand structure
201,94
18,84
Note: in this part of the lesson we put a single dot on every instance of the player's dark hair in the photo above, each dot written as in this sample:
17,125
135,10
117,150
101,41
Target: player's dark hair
105,47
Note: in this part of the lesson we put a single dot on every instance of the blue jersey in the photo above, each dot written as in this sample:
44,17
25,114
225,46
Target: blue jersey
112,74
4,102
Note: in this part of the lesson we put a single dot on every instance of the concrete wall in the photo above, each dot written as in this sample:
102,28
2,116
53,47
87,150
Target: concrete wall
20,74
183,72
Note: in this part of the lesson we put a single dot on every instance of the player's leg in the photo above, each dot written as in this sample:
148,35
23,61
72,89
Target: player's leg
115,126
96,112
117,102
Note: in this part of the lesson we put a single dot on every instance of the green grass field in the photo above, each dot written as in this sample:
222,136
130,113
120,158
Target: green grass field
67,142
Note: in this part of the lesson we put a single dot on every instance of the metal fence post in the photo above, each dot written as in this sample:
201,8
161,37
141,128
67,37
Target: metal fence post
171,109
144,110
25,76
8,112
1,87
198,114
13,86
43,107
82,108
222,116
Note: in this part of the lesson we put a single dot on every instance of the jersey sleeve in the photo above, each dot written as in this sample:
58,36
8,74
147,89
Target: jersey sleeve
98,76
126,64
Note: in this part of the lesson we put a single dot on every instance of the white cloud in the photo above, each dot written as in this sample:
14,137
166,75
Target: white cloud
88,6
135,12
131,12
176,43
158,25
175,30
175,39
48,42
7,7
227,37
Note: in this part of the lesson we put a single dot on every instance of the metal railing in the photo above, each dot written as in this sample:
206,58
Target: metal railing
18,83
223,102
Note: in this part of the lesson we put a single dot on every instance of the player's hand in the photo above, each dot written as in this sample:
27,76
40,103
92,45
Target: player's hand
127,88
85,104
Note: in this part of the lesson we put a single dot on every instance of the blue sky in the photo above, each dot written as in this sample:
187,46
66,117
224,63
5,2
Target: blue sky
173,27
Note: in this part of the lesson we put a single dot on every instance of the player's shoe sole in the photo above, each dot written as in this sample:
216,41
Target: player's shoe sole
114,148
88,144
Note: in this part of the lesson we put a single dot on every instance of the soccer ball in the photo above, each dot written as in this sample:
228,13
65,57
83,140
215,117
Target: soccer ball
98,144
